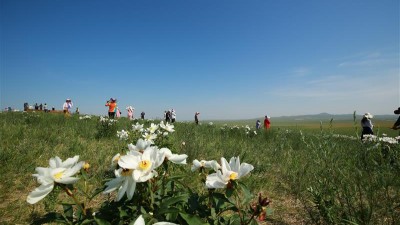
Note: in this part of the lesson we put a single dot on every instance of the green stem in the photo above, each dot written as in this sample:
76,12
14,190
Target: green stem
80,205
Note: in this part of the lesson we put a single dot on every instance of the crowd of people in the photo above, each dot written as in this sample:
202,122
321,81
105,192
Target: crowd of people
170,115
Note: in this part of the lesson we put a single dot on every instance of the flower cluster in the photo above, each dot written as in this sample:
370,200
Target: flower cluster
384,139
137,166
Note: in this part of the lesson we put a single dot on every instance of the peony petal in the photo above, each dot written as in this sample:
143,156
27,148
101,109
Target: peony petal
122,190
139,221
113,184
131,188
129,161
39,193
245,169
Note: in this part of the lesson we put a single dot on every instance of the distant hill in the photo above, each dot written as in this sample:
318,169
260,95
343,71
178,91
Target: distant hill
324,117
327,117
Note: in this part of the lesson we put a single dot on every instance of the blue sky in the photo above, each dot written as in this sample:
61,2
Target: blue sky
226,59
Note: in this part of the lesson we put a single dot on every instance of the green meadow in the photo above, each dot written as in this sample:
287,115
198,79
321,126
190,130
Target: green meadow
312,171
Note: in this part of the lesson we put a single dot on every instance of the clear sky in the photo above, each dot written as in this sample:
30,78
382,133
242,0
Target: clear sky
227,59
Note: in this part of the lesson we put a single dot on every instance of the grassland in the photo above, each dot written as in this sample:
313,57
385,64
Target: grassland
309,170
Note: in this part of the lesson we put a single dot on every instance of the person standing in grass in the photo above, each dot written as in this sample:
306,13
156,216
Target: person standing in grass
67,106
258,124
118,112
173,115
142,115
196,117
396,125
267,122
112,105
366,124
130,112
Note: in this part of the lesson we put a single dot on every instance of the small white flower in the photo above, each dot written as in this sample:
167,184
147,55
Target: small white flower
143,165
123,135
149,137
232,171
168,127
205,164
140,146
152,129
137,127
58,172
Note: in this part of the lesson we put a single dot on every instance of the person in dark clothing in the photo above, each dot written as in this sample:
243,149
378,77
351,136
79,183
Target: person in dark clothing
366,125
196,117
396,125
142,115
168,116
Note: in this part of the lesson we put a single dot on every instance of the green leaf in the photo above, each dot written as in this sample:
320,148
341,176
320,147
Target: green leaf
68,212
101,221
172,200
234,220
247,194
168,210
192,220
122,212
253,222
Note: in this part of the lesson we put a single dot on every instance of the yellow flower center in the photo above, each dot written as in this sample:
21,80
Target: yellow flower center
233,176
86,166
58,175
126,172
145,164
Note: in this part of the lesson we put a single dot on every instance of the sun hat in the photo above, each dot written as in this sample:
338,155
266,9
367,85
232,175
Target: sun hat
368,115
397,111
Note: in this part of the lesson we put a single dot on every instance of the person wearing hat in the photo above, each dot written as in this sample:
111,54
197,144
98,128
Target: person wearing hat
396,125
366,125
112,105
267,122
130,112
67,106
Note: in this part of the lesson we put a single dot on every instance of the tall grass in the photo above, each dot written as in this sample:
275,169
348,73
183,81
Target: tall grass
311,175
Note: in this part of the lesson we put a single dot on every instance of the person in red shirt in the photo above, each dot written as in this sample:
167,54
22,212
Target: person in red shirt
267,122
112,104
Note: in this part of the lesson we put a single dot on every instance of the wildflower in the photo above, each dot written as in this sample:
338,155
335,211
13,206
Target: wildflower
167,126
124,182
205,164
59,172
140,146
137,127
143,164
153,128
123,135
175,158
149,137
229,172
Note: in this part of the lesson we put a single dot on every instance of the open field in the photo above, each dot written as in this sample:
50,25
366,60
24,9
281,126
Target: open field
312,173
